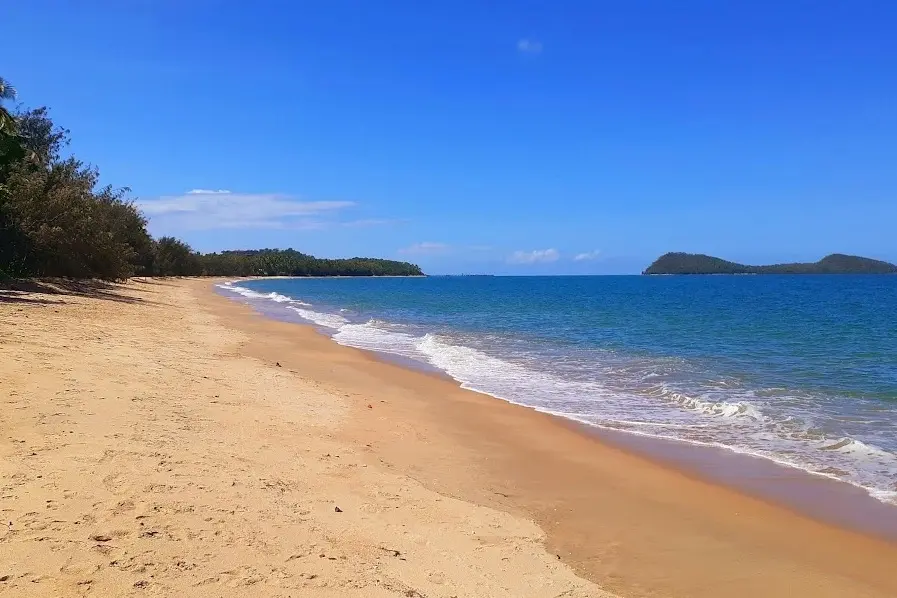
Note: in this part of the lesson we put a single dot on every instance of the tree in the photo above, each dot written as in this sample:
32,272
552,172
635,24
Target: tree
41,139
7,121
10,146
56,220
64,226
173,257
289,262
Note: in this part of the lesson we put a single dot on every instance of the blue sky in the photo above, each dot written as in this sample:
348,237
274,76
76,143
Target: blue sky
503,136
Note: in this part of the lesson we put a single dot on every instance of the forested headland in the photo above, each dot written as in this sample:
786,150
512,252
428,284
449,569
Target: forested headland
836,263
56,220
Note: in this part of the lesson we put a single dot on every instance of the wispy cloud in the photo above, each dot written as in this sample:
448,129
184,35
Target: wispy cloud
425,248
207,191
536,256
587,256
208,209
529,46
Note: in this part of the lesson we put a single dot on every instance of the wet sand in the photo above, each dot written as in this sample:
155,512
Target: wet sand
143,453
637,526
820,497
168,441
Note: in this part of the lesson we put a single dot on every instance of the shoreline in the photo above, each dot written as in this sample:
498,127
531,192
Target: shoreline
147,453
166,440
680,537
826,499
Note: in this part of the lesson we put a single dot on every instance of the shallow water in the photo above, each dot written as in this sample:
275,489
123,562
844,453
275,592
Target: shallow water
800,370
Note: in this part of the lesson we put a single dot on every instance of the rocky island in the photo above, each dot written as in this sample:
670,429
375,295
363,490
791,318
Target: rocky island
836,263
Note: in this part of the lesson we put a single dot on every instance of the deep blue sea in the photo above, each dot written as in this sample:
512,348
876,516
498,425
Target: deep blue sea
801,370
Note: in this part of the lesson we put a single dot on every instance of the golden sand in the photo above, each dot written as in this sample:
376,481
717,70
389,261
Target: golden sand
152,446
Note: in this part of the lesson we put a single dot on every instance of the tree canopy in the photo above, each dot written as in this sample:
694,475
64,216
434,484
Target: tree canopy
57,220
7,121
289,262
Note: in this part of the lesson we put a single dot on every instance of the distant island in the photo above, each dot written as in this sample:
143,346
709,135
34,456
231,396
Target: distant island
836,263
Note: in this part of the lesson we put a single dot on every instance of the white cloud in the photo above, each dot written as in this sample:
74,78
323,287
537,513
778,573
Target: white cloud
206,191
587,256
427,247
536,256
207,209
529,46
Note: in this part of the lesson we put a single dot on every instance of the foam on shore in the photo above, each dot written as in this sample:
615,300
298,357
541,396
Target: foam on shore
628,397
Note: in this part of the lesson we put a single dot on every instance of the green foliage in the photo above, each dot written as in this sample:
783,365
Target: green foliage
289,262
173,257
11,149
39,137
7,121
837,263
55,220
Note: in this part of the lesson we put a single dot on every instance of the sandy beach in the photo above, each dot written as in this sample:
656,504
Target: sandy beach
161,440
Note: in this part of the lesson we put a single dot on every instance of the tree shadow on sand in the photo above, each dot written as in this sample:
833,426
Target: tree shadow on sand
23,298
22,291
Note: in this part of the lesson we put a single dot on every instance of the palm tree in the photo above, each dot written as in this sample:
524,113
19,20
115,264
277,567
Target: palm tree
7,122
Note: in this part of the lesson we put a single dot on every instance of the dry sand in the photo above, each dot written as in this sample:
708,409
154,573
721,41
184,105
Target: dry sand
144,454
152,445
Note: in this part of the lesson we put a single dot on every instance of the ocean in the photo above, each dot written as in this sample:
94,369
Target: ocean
799,370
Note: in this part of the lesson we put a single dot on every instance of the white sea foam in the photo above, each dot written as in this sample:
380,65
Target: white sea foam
629,397
250,294
736,409
324,319
856,448
888,496
372,337
593,404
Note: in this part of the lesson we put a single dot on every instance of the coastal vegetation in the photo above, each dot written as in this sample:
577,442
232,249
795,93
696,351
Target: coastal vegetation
56,220
836,263
174,257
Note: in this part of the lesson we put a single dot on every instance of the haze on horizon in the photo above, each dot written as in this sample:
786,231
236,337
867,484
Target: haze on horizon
562,137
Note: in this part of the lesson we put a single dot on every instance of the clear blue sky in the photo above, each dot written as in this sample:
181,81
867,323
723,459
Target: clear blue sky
503,136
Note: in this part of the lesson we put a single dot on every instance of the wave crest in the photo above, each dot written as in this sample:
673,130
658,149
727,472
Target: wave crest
726,409
332,321
250,294
642,396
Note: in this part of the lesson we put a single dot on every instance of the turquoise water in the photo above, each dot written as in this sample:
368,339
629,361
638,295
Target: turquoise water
801,370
